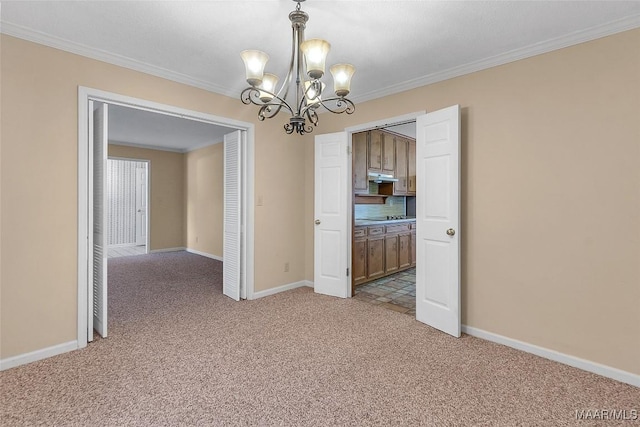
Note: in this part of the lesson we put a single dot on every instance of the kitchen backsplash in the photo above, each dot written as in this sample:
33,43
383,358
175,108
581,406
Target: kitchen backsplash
393,206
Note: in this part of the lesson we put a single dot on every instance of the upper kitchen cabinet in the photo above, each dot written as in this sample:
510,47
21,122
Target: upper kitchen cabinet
401,172
360,172
381,152
411,168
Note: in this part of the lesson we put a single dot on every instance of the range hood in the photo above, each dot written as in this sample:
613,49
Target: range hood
381,177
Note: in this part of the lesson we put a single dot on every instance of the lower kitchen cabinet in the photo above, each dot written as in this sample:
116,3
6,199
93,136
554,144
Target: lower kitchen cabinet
382,250
375,258
359,260
404,251
391,254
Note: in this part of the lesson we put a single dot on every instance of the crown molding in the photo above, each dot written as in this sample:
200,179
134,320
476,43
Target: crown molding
577,37
80,49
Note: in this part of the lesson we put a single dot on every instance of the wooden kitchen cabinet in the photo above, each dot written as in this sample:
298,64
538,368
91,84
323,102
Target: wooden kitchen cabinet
381,152
360,259
360,170
379,250
375,257
411,168
391,254
401,170
388,154
404,250
375,151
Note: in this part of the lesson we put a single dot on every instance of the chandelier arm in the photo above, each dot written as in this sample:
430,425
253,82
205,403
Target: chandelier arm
343,105
251,95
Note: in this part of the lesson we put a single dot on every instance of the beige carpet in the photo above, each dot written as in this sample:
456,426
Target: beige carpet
180,353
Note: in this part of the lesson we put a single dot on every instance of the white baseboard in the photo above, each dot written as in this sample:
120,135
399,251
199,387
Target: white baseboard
278,289
204,254
34,356
576,362
178,249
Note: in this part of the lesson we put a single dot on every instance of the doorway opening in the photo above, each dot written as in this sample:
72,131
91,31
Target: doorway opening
384,216
92,163
127,187
437,241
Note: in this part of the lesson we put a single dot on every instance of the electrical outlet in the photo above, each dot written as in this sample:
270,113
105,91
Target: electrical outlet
196,239
260,201
286,267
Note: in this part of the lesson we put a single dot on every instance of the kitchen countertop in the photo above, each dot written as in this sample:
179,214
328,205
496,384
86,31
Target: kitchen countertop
364,222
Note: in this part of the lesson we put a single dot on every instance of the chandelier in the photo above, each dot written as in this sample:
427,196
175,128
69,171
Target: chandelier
307,87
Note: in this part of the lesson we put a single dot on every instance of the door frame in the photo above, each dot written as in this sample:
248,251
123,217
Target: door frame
147,224
350,131
85,94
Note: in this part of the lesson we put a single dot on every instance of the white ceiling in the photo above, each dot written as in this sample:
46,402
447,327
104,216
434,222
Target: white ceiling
130,126
394,45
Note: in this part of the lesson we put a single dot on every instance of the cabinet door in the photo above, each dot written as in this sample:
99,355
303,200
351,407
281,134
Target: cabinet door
404,252
360,168
375,151
375,257
359,261
400,187
391,253
388,154
411,167
413,248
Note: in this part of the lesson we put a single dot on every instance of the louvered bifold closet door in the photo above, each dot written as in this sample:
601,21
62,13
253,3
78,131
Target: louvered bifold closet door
231,270
100,138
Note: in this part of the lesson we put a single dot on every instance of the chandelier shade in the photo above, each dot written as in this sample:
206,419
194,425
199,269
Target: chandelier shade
301,92
254,63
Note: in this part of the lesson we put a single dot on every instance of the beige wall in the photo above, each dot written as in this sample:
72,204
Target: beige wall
550,199
39,186
204,199
550,196
166,213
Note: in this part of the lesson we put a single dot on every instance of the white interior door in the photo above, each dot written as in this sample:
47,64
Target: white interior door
98,297
141,205
331,242
232,240
438,219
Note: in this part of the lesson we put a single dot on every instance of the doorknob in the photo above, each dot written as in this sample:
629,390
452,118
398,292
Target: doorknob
317,221
451,232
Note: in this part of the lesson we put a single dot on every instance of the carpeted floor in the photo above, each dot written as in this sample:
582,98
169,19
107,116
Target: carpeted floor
180,353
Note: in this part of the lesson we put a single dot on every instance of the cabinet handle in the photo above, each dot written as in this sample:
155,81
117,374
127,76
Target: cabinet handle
378,159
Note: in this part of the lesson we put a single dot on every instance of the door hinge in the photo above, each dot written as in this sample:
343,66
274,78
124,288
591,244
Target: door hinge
348,150
347,272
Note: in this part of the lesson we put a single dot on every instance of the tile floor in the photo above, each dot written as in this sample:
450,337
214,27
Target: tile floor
396,292
118,251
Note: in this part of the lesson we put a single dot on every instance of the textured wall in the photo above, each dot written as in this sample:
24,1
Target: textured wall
204,191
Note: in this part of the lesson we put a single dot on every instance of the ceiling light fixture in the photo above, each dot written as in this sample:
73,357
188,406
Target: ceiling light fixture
308,87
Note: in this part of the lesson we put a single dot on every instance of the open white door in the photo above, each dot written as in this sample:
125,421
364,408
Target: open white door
141,205
331,257
438,220
232,240
98,295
